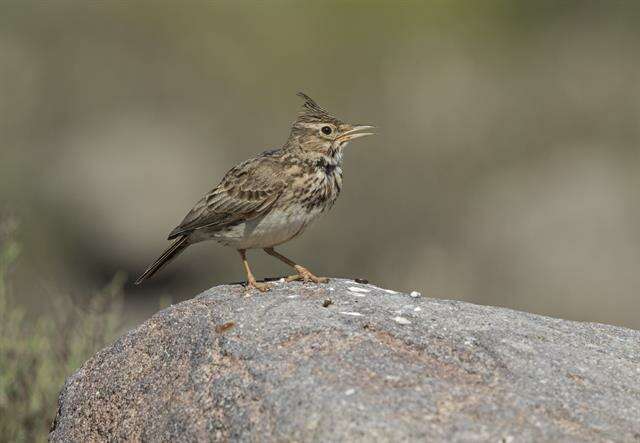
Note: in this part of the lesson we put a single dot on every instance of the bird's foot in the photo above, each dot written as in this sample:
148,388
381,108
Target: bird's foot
262,287
306,276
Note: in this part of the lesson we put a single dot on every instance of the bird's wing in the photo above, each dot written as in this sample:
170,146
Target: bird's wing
247,191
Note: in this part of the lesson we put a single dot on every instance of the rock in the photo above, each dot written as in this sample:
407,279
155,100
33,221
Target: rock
286,365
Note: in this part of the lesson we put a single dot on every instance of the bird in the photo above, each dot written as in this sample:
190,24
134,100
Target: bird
272,198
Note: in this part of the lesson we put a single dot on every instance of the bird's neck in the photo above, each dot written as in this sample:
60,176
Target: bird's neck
330,156
328,161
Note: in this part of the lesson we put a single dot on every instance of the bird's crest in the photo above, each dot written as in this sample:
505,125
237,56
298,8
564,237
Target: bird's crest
313,112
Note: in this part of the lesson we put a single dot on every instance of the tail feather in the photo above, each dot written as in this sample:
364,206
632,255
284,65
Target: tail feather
169,254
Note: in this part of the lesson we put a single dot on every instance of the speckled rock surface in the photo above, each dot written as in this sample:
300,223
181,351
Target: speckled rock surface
372,365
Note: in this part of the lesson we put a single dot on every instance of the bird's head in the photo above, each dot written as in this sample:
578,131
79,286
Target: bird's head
317,130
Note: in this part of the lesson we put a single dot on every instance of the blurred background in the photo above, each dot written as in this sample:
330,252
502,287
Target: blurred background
505,172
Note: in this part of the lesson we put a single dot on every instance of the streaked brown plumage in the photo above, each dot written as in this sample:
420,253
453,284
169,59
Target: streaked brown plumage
270,199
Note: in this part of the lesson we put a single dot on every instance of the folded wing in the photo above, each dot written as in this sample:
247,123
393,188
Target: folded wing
247,191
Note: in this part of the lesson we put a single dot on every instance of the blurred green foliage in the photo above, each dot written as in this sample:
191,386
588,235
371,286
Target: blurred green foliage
36,354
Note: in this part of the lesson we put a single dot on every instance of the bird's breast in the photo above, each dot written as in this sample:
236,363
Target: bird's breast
319,188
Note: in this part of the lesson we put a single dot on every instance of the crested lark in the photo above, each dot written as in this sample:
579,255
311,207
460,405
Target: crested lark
270,199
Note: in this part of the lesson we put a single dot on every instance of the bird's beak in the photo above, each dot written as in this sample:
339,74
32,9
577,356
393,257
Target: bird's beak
353,133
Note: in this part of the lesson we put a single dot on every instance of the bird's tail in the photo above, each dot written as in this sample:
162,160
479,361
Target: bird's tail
169,254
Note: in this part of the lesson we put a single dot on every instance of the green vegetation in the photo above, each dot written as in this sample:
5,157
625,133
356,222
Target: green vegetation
37,352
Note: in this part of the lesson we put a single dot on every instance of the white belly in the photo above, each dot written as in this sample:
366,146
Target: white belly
277,227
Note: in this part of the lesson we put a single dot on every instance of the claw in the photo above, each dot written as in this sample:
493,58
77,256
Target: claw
262,287
306,276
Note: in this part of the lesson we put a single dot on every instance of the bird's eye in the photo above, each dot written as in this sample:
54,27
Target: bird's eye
326,130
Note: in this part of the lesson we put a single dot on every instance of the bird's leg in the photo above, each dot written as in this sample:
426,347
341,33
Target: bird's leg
251,280
303,273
